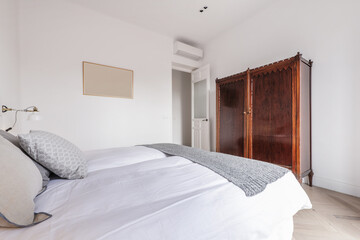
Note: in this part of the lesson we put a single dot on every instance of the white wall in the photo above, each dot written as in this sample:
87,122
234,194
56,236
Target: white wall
9,60
181,105
55,37
328,32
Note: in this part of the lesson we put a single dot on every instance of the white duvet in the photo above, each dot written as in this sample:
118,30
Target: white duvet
139,193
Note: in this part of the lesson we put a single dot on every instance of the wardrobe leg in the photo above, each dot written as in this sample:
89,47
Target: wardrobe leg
311,174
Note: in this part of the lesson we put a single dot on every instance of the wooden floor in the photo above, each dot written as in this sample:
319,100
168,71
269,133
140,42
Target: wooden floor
334,216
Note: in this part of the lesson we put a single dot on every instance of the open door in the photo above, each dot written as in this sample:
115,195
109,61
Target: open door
200,87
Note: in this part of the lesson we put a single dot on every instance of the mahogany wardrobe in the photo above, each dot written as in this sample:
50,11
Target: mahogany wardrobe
265,114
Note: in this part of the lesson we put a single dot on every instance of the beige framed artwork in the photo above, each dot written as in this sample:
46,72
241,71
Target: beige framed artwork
107,81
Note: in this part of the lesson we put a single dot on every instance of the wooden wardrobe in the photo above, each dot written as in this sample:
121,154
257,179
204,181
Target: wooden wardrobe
265,114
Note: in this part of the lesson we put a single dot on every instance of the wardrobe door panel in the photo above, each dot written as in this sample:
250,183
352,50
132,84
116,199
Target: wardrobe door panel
231,124
272,117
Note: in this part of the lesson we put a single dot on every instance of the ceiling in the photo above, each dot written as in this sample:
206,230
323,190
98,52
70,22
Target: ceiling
180,19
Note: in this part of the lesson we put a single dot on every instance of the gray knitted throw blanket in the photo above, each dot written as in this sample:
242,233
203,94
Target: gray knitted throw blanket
251,176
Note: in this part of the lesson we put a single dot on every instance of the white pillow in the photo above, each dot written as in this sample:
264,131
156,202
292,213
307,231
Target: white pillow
15,140
20,182
55,153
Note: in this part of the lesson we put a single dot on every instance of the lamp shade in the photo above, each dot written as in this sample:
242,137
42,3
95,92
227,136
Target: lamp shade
35,116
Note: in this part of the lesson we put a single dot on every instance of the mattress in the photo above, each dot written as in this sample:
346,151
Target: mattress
139,193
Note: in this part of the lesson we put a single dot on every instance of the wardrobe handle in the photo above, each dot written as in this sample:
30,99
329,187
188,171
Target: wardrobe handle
248,112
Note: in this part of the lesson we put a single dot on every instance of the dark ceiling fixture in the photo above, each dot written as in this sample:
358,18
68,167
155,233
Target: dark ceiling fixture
202,10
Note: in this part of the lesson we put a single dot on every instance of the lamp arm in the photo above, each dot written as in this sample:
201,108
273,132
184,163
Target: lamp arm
31,109
5,109
28,109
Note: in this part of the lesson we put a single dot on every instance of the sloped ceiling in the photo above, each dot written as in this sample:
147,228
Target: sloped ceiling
180,19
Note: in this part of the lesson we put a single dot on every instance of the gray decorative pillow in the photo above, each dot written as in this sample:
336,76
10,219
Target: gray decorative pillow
14,140
55,153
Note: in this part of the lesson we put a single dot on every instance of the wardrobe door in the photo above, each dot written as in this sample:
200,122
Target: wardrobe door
271,100
231,97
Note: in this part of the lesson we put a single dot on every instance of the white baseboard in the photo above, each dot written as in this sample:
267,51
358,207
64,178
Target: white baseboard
337,186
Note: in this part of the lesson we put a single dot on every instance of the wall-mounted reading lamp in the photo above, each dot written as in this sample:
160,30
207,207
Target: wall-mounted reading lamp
32,117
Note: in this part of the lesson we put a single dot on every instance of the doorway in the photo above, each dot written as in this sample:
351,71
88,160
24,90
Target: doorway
181,105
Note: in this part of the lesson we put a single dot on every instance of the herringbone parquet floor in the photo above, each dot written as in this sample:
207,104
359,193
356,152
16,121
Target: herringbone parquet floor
334,216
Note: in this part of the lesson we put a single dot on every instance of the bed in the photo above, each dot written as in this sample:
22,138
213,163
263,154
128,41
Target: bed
141,193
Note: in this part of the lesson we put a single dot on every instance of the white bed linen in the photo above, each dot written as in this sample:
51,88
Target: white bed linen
137,193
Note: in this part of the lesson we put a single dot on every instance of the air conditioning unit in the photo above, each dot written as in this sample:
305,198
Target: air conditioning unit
187,51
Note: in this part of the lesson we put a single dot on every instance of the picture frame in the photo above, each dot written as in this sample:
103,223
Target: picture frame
107,81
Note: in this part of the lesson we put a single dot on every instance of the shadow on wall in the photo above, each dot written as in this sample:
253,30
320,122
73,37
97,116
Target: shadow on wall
181,105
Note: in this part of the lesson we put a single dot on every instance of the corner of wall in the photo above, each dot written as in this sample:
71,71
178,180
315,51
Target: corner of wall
9,59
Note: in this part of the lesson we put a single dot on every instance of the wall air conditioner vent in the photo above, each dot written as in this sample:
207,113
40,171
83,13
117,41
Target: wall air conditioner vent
187,51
